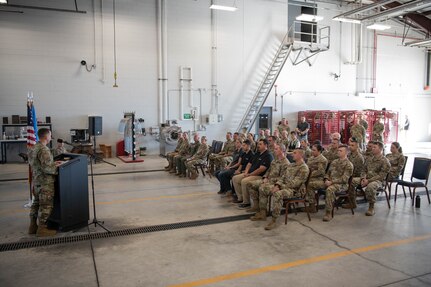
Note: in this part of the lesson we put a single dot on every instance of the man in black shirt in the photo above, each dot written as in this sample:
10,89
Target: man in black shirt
253,171
302,129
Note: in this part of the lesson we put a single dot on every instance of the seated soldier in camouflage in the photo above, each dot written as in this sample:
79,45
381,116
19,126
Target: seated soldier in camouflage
200,157
356,158
293,142
306,148
285,139
374,175
181,160
317,164
290,185
397,161
228,148
184,149
272,140
250,137
272,175
337,179
170,156
331,153
267,133
368,152
378,130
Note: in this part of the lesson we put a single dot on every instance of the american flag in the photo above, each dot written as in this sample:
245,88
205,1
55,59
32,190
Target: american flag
31,124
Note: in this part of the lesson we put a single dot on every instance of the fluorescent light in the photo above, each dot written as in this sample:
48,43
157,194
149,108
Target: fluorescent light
3,1
222,7
379,27
347,20
309,18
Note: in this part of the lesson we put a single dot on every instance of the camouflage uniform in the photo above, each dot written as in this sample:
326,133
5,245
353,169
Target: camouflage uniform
58,150
219,161
378,130
291,184
357,159
368,154
317,166
397,162
273,174
198,158
364,124
331,154
307,153
170,156
339,173
282,128
293,144
44,171
180,161
358,131
182,151
375,172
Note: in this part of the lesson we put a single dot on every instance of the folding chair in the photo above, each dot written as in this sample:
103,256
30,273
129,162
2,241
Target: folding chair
400,178
203,165
384,189
343,195
294,202
421,171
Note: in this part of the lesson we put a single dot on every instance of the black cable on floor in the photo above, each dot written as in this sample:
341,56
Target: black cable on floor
94,259
406,279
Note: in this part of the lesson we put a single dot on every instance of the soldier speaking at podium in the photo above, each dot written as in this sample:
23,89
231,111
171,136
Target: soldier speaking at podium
44,170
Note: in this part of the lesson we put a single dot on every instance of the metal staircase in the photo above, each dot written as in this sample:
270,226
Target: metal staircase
289,44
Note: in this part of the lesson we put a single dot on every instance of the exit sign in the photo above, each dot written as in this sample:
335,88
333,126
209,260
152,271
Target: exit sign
187,116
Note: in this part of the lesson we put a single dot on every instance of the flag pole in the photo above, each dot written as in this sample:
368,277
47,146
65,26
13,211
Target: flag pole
29,146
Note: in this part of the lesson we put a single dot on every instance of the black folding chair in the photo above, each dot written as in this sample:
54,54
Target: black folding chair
421,171
396,180
294,202
340,196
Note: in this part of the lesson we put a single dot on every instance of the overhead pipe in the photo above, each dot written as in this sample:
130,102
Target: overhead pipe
162,60
400,10
214,91
356,57
364,8
427,81
44,8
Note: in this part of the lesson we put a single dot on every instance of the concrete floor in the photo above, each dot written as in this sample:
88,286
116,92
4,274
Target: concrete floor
389,249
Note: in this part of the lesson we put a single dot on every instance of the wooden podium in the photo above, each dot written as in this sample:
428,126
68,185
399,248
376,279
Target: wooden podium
71,207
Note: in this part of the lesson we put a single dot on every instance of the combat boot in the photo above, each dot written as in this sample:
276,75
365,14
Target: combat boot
260,216
312,208
254,208
43,231
32,229
168,168
328,216
370,211
193,176
173,170
272,224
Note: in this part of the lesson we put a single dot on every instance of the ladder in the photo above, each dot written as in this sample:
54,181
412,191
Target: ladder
291,44
266,85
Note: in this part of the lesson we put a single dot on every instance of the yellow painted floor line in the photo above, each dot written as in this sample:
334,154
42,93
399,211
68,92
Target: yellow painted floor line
26,210
300,262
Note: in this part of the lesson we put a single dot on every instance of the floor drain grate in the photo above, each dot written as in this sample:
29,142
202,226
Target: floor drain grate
139,230
117,233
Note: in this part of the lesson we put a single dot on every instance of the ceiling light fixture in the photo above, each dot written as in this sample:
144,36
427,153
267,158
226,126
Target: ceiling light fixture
347,20
309,18
3,1
379,27
223,7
